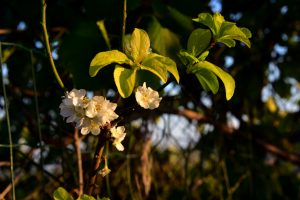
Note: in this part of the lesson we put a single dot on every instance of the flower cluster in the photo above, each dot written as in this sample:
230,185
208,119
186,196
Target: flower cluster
91,115
88,114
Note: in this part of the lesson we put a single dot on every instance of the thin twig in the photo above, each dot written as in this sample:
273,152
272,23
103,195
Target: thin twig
124,24
23,48
96,162
56,179
226,179
9,187
47,44
8,129
38,121
77,142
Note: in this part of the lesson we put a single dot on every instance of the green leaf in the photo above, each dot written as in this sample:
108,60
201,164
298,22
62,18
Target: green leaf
86,197
226,78
227,41
139,44
163,41
187,58
61,194
207,20
103,31
105,58
246,31
208,80
218,21
159,65
198,41
230,31
125,80
203,56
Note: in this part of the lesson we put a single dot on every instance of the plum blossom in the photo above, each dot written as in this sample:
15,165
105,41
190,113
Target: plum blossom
90,125
73,106
118,134
90,115
101,109
146,97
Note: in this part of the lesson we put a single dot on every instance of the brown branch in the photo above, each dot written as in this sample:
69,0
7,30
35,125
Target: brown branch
97,161
77,142
9,187
291,157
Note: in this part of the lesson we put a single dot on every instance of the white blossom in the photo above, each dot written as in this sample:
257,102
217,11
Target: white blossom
73,105
101,109
90,115
118,134
90,125
146,97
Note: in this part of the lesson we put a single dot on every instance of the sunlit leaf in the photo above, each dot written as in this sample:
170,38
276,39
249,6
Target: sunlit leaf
125,80
203,56
207,20
246,31
218,21
226,78
227,41
61,194
187,58
159,65
208,80
105,58
198,41
139,44
230,31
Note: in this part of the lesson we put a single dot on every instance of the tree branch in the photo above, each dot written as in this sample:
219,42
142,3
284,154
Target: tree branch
96,162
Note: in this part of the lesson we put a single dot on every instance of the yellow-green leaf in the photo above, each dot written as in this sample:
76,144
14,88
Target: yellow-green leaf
124,80
105,58
61,194
160,65
229,31
207,20
218,21
139,44
226,78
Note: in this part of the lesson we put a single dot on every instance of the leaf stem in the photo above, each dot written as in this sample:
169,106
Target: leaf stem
47,44
8,129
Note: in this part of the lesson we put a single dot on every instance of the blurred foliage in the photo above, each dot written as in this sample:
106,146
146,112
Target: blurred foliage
247,148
